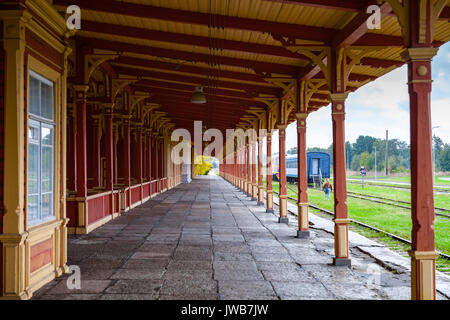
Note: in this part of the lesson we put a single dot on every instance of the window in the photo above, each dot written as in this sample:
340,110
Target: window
40,149
315,166
292,164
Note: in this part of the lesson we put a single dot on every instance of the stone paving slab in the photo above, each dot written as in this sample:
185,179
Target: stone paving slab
206,241
382,254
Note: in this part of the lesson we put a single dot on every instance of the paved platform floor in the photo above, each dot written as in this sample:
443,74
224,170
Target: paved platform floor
207,240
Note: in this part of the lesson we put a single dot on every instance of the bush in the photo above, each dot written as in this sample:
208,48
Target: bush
203,168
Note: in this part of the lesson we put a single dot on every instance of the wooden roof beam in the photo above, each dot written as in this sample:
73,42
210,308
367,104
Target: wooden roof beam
199,18
196,80
186,39
257,66
154,64
345,5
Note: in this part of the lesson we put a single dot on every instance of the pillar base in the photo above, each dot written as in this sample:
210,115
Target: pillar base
301,234
342,262
260,203
270,211
283,220
423,278
254,199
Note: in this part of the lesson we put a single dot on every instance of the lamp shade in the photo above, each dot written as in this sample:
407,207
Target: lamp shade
198,97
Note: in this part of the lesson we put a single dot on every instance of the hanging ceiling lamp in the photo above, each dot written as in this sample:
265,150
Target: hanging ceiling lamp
198,97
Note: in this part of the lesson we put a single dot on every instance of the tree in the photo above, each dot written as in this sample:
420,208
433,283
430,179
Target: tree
203,168
355,164
444,158
364,144
293,150
364,162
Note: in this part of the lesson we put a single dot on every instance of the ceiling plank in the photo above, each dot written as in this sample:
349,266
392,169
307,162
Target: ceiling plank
196,81
179,38
257,66
346,5
190,69
204,19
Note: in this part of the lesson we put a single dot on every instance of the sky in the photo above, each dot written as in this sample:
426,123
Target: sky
379,106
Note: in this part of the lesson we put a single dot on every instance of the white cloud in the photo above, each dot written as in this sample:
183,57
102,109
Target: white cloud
379,106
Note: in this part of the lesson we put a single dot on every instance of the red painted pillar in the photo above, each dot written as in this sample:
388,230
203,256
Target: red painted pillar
115,156
254,183
127,160
260,172
157,177
423,253
161,161
303,219
241,167
235,169
149,157
138,162
71,149
341,220
249,188
95,157
269,192
109,146
155,158
81,149
283,183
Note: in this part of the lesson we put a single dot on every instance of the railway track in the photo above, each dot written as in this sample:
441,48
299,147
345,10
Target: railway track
441,190
393,202
441,212
366,226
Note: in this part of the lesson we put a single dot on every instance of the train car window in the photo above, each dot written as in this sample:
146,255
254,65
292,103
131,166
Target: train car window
315,166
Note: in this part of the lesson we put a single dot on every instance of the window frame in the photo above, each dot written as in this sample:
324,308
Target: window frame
41,122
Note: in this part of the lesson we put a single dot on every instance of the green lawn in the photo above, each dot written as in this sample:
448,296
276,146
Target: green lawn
385,217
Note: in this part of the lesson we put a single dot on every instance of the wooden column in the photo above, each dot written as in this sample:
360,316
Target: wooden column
303,219
13,237
283,182
269,192
241,164
161,161
109,146
157,177
341,220
149,156
254,183
423,253
260,172
235,169
80,102
139,153
127,160
115,151
96,153
249,171
71,149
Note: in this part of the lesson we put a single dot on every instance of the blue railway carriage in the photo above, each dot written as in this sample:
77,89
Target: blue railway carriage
319,166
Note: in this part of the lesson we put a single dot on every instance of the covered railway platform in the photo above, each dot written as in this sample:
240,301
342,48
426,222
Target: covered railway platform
88,115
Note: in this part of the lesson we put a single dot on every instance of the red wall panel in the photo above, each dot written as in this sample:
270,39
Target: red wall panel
41,254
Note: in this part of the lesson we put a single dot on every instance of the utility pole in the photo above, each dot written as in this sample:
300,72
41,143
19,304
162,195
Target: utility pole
348,165
375,163
387,151
434,155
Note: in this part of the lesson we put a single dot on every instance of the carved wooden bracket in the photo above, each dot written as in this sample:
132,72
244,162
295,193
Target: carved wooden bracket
135,99
403,11
92,61
118,85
